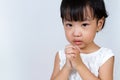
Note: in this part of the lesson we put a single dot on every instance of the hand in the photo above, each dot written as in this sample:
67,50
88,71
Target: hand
73,55
68,62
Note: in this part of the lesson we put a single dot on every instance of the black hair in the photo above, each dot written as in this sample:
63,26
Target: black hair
76,10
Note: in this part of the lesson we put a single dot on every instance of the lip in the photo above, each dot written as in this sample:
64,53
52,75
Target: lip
77,42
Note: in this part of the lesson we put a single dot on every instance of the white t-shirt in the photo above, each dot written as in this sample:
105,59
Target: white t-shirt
93,61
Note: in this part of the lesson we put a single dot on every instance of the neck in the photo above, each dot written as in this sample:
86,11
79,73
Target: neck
90,48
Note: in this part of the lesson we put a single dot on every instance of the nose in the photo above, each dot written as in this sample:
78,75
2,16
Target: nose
77,32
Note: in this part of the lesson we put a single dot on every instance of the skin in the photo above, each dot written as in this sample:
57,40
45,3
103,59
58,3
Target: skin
80,35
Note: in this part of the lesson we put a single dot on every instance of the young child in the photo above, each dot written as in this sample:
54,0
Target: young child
83,59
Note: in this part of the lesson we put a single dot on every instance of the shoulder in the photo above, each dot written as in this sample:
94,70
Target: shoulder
107,64
103,49
62,58
106,54
61,54
58,62
56,66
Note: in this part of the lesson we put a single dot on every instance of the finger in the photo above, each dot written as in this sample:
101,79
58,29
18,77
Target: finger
69,47
72,55
77,48
68,56
69,50
73,50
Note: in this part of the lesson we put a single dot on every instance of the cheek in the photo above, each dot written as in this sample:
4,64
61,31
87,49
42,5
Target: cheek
68,35
90,36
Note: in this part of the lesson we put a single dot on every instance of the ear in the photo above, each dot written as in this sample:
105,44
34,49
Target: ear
100,24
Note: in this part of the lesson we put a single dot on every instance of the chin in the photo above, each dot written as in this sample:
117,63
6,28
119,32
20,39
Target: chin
81,46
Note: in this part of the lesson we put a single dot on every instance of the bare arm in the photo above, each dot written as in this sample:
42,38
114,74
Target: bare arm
105,71
85,73
57,73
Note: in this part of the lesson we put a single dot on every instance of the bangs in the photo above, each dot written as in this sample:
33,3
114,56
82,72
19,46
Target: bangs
76,12
81,10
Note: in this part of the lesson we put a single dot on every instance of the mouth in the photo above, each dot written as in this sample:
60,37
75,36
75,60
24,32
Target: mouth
77,42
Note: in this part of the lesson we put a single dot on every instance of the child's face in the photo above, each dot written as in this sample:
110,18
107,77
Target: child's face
82,33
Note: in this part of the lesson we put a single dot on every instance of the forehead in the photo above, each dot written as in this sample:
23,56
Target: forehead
78,14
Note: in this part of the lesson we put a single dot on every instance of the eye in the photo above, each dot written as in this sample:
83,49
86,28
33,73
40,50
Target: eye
68,25
85,24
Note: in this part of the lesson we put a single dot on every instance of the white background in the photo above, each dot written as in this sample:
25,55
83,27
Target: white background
31,32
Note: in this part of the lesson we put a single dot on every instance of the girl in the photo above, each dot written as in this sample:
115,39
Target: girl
83,59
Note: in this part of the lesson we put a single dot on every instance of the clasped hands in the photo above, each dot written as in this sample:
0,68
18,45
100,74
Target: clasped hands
73,58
